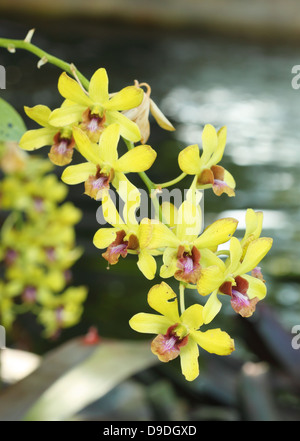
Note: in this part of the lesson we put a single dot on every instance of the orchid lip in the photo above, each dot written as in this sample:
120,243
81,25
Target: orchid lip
61,151
63,146
116,249
188,265
240,296
219,182
167,346
100,182
93,124
170,343
119,248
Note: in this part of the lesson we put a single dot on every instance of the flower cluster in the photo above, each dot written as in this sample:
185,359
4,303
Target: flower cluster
37,248
92,121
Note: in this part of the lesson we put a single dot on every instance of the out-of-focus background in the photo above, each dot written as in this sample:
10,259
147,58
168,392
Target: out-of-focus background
220,62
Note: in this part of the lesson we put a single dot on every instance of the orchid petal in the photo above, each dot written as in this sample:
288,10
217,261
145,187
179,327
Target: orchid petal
88,150
110,213
211,308
147,264
162,299
210,279
75,174
169,267
218,153
137,160
127,191
128,129
108,144
72,90
189,360
104,237
257,288
39,114
217,233
150,323
162,236
209,142
128,98
189,221
256,251
235,250
67,115
160,118
193,317
214,341
189,160
98,88
169,213
35,139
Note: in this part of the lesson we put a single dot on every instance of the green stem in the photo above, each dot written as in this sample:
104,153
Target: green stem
172,182
181,297
21,44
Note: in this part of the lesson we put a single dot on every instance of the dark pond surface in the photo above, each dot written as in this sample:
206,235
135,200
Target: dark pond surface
195,80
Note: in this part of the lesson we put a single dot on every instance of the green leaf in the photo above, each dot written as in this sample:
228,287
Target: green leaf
256,397
73,376
111,363
12,125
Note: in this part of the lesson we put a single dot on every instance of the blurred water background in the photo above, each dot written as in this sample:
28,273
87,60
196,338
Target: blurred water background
196,78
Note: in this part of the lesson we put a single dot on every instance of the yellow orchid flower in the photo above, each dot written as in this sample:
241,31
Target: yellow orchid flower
34,281
34,196
140,114
254,221
179,335
59,138
95,109
31,246
104,165
61,311
126,236
230,278
207,172
184,250
7,311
